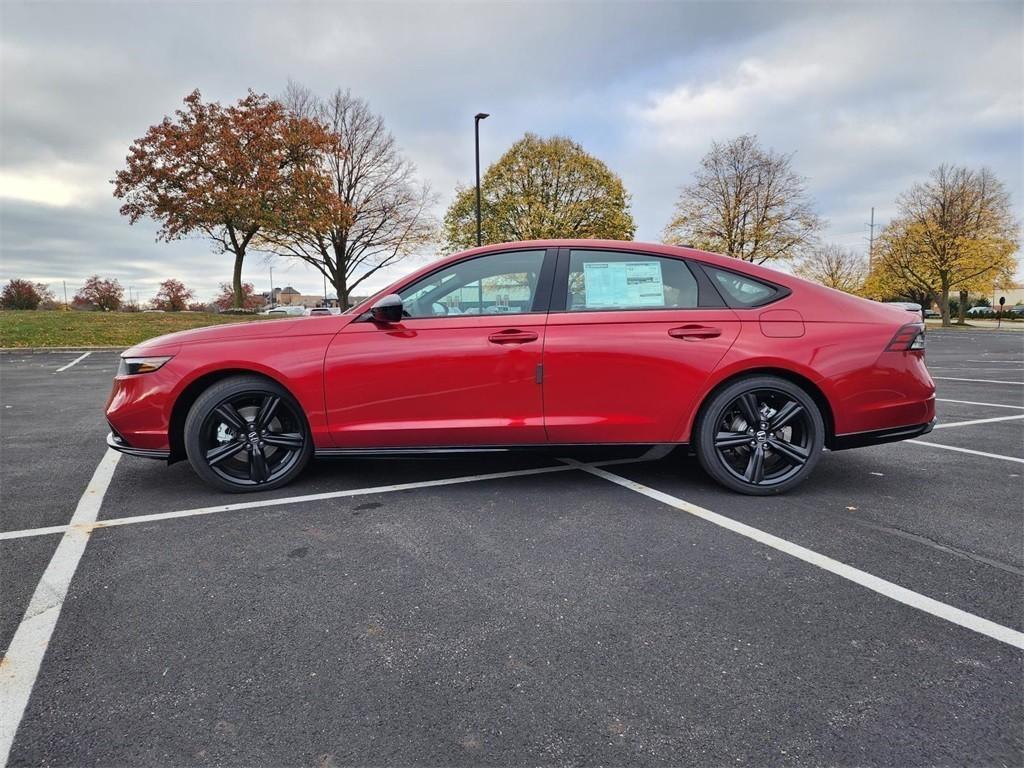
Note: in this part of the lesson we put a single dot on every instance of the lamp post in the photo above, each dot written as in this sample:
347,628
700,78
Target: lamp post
476,132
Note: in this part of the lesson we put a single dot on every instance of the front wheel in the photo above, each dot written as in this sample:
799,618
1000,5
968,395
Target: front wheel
760,436
247,433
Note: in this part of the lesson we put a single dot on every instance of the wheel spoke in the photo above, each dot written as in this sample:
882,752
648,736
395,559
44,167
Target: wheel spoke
267,410
231,417
784,415
724,440
796,455
289,440
257,465
748,406
221,452
755,466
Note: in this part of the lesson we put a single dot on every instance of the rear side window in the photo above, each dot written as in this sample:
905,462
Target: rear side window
740,290
610,280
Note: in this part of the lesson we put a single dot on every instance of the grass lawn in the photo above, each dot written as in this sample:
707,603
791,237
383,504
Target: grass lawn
99,329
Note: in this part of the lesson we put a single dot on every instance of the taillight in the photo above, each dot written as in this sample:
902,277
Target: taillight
909,337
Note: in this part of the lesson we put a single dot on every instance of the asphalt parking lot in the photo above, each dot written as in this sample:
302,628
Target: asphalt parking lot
515,609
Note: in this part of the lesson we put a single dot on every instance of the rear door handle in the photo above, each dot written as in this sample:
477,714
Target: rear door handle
512,336
694,332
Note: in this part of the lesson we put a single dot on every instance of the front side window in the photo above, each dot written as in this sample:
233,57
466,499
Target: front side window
497,284
741,290
610,280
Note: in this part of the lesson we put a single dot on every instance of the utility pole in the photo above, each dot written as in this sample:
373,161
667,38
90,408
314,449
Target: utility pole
271,285
65,293
871,241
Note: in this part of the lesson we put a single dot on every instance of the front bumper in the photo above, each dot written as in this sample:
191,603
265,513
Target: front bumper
879,436
117,442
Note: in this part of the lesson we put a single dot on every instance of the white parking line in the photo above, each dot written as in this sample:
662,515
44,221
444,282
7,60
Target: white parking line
979,381
78,359
857,576
972,402
28,646
91,525
967,450
978,421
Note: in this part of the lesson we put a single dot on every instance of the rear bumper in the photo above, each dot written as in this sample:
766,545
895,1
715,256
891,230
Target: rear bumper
117,442
879,436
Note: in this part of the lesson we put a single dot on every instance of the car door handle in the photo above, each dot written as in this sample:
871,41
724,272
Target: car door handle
512,336
694,332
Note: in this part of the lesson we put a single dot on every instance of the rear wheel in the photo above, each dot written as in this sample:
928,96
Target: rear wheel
760,435
247,433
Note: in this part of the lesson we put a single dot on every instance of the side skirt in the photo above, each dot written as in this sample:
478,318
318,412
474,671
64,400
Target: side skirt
443,450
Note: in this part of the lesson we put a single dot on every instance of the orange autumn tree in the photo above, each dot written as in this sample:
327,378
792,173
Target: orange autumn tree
224,172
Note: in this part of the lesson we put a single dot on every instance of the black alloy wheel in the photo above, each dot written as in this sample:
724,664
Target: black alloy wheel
760,436
247,433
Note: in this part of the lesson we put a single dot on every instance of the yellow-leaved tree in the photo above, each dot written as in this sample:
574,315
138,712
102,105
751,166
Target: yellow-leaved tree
542,189
954,232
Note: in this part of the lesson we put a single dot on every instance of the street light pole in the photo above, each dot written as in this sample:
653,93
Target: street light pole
476,133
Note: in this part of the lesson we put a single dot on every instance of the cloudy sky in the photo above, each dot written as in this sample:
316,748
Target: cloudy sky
869,96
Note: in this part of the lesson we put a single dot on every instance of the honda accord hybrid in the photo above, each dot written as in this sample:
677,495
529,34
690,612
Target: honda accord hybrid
543,343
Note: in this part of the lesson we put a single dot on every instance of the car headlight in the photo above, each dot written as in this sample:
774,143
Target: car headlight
130,366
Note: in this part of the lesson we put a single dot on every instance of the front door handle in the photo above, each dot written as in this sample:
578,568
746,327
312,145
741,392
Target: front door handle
694,332
512,336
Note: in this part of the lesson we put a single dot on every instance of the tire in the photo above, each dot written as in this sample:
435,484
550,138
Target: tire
247,433
760,435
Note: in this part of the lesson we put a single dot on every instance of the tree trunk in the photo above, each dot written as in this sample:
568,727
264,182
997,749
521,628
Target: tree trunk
236,280
962,309
341,287
944,307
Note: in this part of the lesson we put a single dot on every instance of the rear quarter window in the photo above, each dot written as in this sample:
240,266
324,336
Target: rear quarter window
743,291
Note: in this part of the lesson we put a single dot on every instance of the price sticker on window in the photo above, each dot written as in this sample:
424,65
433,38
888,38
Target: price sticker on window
623,284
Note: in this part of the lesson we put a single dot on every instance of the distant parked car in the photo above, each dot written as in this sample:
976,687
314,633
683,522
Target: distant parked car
980,312
1017,310
285,311
909,306
931,314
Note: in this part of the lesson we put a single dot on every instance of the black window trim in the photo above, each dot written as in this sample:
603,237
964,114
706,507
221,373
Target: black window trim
541,297
781,291
708,297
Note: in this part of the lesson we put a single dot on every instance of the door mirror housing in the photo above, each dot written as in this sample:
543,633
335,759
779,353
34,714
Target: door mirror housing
387,310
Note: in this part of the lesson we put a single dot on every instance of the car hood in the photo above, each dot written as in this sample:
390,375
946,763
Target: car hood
254,329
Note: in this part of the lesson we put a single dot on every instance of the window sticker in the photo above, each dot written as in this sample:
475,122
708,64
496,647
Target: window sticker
615,284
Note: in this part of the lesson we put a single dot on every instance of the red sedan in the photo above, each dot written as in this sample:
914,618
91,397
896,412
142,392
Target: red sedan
569,342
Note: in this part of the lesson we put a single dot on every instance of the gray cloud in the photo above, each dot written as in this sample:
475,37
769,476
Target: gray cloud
870,97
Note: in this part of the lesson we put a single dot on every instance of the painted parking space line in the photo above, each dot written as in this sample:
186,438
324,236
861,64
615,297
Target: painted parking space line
979,381
966,450
862,578
78,359
974,402
28,646
979,421
91,525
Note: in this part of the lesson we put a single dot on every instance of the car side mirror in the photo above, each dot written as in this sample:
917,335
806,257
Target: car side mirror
387,310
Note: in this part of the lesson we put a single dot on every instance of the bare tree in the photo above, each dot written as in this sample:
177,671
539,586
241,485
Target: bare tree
745,202
378,213
834,267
